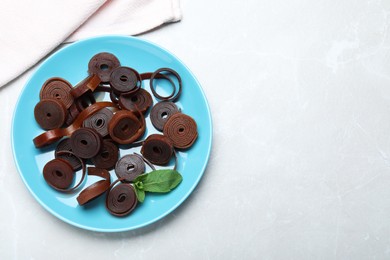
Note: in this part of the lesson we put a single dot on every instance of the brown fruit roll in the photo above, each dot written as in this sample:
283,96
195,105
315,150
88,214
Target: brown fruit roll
140,100
125,80
129,167
64,145
54,135
125,127
58,173
121,199
107,157
85,143
174,95
99,121
102,64
181,129
157,149
161,112
96,189
50,113
51,176
88,84
58,89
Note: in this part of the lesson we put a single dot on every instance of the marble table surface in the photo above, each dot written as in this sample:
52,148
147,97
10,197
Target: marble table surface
300,167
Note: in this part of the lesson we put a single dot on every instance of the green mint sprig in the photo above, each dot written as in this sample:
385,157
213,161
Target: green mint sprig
161,181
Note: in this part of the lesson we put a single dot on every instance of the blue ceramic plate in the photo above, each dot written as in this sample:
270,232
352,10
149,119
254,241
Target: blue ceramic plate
71,63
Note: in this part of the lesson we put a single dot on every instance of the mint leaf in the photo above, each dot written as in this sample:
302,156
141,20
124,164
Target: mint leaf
159,180
139,185
139,193
140,178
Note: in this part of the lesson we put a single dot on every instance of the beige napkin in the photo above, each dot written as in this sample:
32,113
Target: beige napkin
29,29
129,17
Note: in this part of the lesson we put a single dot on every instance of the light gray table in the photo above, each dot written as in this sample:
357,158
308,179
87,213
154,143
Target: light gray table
300,165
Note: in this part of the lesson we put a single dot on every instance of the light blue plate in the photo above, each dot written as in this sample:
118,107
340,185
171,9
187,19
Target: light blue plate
71,63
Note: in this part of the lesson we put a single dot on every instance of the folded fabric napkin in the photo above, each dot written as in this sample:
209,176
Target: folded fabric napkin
129,17
29,30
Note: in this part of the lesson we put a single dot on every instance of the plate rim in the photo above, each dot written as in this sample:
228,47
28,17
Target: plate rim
170,210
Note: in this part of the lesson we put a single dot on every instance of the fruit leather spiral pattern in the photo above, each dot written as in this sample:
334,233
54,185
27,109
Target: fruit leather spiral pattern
99,121
64,145
59,174
86,143
157,149
161,112
125,80
107,157
50,114
181,129
125,127
59,89
129,167
54,135
102,64
140,100
121,199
